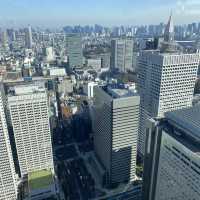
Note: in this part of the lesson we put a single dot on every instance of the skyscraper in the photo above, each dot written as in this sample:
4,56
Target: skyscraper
122,54
166,82
105,60
172,156
116,116
8,182
4,39
74,49
49,53
28,38
28,106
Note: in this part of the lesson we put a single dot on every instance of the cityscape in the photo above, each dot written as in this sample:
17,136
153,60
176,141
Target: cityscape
100,111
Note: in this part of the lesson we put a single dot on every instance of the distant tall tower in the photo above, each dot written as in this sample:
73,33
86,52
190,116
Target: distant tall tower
169,31
122,54
28,38
166,82
49,52
13,35
4,39
169,44
8,186
74,49
116,120
28,106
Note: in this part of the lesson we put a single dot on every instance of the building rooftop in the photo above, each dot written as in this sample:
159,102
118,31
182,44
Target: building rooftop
188,120
40,179
118,91
26,89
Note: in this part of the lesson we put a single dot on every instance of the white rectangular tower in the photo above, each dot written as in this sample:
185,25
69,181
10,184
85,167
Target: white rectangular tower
28,105
166,80
166,83
8,186
122,54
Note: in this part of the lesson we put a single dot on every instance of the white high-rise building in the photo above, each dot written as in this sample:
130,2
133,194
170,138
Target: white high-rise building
28,38
4,39
166,82
115,125
122,54
8,185
49,54
28,106
172,156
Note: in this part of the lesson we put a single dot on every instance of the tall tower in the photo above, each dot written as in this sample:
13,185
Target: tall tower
49,53
116,117
8,185
169,44
172,161
74,49
28,38
169,31
28,106
4,39
166,82
122,54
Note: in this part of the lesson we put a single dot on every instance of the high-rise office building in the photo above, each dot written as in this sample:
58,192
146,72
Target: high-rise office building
105,60
8,182
115,125
49,52
172,156
166,83
122,55
4,39
28,106
28,38
74,49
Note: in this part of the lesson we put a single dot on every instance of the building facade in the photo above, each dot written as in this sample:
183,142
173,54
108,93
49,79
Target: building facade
74,50
105,60
166,80
8,178
49,53
116,116
172,157
166,83
28,38
122,54
28,106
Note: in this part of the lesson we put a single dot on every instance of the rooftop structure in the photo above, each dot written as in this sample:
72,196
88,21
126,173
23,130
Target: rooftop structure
57,71
187,119
118,91
169,45
169,31
28,89
40,179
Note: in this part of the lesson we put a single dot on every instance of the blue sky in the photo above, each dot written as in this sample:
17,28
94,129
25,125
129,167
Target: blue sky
107,12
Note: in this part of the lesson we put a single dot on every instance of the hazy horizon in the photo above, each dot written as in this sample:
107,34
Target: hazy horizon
52,13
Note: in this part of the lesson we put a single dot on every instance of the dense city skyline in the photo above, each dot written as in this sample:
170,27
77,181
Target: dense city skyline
109,13
99,112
